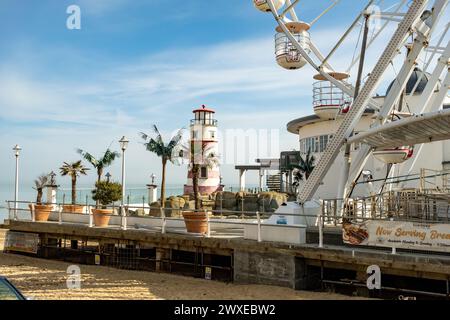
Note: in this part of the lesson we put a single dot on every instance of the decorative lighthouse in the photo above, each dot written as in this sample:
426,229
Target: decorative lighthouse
204,144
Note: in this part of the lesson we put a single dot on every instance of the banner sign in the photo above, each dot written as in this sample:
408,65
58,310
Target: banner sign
398,234
22,242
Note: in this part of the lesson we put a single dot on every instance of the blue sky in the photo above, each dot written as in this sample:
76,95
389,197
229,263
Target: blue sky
135,63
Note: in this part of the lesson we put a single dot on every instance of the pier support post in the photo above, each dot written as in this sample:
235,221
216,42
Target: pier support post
258,216
33,216
123,214
320,224
242,179
161,254
208,232
91,217
261,178
272,269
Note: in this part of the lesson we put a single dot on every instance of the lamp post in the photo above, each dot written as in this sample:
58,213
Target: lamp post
108,177
123,145
16,185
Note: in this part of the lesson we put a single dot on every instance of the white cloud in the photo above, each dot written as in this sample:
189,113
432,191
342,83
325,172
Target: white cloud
53,116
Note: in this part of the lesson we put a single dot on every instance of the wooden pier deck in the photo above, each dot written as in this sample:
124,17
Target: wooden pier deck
229,257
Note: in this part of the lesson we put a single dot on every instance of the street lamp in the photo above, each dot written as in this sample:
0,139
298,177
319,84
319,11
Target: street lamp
16,189
123,145
153,176
108,176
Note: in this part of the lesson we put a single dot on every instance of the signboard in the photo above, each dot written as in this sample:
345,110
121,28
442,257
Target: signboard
208,272
398,234
22,242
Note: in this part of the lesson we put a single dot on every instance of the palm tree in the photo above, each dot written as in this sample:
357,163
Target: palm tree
164,151
74,170
298,176
100,164
306,165
39,184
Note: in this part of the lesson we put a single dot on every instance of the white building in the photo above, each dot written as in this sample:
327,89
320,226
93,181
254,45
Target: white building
330,104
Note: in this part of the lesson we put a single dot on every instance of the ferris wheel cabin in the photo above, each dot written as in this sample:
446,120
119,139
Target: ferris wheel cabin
264,6
328,99
287,55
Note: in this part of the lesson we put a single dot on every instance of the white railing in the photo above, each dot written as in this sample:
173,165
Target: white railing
220,223
329,215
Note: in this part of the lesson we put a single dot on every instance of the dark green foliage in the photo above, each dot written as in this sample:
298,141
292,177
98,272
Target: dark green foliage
107,192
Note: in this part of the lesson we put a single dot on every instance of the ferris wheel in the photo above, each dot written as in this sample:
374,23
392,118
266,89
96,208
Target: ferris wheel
416,23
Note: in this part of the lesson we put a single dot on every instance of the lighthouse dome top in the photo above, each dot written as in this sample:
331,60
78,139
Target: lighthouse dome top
204,109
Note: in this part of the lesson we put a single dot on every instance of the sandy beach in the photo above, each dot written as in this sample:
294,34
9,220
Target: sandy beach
46,279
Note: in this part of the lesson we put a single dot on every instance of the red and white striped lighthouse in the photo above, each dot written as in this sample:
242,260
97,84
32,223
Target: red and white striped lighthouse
203,133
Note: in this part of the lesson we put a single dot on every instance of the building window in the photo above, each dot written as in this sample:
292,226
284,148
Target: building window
315,144
204,172
194,134
212,134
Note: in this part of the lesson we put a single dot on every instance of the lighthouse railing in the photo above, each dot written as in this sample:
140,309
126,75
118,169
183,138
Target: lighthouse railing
204,122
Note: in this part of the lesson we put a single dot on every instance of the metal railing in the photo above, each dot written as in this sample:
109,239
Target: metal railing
406,205
207,122
330,214
326,93
223,223
284,47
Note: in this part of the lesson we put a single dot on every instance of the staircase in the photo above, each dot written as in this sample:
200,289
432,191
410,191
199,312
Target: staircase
273,182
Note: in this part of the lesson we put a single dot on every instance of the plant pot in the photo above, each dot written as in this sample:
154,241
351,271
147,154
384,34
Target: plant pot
196,222
102,217
41,211
73,208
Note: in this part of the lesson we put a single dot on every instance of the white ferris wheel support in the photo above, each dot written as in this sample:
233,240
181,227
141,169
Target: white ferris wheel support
419,43
352,117
442,63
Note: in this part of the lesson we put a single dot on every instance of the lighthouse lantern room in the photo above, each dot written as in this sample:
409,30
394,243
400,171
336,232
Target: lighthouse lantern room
204,142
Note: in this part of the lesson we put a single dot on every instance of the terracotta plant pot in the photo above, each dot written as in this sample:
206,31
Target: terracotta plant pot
196,222
102,217
41,211
73,208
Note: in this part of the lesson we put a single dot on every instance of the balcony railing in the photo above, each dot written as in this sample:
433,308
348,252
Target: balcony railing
204,122
326,93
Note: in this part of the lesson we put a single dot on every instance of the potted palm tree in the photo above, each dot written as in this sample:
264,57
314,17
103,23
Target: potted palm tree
74,170
164,151
101,163
196,221
41,210
105,193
